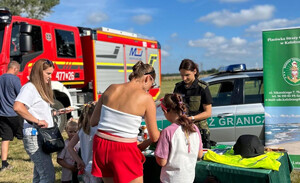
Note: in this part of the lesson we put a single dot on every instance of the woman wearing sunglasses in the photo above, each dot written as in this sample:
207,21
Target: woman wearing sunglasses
33,104
118,114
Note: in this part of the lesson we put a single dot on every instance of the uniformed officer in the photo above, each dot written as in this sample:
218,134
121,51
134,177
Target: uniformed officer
197,96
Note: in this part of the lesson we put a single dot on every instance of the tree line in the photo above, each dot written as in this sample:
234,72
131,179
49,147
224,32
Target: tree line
36,9
203,72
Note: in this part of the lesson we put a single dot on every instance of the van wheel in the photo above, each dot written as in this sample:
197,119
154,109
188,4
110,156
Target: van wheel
60,120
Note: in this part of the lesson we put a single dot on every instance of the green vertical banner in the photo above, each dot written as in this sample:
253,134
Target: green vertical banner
281,56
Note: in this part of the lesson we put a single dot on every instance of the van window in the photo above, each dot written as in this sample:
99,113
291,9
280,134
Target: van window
221,93
65,43
253,90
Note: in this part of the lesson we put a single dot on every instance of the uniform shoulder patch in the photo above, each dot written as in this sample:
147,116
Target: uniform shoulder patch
202,84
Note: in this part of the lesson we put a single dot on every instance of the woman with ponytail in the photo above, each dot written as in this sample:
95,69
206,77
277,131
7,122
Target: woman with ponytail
179,144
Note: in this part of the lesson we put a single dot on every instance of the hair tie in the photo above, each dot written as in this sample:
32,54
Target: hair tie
180,102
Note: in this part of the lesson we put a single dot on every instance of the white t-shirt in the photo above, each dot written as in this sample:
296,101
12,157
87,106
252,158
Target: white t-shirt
181,163
36,106
86,146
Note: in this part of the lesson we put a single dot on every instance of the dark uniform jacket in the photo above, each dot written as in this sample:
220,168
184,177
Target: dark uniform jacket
194,96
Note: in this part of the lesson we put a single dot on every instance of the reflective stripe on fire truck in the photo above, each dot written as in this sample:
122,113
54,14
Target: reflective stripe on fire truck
123,70
66,65
69,65
117,66
95,93
73,83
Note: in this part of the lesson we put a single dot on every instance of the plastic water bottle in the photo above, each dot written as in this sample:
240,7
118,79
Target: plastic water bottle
33,132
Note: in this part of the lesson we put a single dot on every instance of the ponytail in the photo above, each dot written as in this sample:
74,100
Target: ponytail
175,103
186,124
84,119
140,69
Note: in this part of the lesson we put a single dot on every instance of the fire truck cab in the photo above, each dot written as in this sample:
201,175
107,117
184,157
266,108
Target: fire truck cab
86,60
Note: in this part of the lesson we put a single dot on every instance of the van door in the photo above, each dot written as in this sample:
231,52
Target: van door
222,121
250,114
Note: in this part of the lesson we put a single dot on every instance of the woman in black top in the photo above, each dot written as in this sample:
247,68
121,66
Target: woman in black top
197,96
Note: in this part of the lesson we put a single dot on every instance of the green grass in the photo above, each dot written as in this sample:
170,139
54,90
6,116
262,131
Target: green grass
167,86
23,167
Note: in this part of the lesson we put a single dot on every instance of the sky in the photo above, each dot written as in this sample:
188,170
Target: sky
213,33
288,114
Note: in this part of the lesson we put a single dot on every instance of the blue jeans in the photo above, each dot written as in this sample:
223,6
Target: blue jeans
43,167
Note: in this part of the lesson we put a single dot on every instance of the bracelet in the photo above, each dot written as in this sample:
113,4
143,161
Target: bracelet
193,118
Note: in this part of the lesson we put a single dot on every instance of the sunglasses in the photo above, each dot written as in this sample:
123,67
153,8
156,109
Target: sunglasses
49,62
149,73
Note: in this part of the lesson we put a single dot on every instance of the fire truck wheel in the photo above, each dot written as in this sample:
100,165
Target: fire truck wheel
61,120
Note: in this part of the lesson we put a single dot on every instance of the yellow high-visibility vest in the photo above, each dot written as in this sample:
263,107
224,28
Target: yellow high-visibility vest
266,161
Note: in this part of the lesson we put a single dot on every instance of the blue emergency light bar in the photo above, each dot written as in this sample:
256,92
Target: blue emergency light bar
233,68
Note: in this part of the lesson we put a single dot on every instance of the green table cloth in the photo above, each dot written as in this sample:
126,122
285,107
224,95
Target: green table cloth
226,173
230,174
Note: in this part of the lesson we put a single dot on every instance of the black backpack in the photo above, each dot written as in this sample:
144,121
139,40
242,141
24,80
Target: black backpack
248,146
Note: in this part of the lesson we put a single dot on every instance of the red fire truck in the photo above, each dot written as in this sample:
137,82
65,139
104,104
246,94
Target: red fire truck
86,61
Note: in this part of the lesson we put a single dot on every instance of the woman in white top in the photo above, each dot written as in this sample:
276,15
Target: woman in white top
119,112
33,104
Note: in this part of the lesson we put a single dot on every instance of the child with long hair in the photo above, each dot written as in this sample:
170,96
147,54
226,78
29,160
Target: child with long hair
179,144
85,136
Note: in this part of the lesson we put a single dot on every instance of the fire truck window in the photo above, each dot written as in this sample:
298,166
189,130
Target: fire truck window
65,43
1,36
14,44
37,44
36,50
